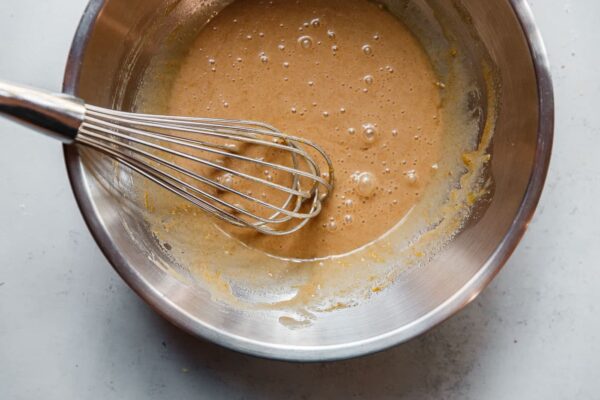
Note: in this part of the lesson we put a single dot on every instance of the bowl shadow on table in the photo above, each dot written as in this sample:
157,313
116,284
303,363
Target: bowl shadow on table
434,364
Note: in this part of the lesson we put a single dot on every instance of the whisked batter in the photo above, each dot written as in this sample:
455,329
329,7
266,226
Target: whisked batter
407,150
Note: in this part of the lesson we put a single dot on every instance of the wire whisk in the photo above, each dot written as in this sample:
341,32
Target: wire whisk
246,173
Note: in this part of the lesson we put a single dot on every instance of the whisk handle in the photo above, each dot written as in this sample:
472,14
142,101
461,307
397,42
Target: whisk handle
57,115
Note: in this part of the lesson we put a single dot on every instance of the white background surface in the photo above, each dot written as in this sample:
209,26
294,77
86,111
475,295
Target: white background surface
71,329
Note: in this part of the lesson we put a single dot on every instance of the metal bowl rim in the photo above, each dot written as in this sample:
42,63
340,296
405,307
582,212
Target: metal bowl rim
451,306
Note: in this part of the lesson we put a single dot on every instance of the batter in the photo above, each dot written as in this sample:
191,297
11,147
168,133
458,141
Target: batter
408,152
342,73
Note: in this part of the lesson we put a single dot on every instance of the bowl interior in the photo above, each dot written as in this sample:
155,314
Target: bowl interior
113,48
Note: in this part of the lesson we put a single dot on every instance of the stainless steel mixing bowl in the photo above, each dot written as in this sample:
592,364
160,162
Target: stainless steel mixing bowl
110,52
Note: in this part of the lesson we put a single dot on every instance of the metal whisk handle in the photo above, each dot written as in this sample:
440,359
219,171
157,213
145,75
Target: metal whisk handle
57,115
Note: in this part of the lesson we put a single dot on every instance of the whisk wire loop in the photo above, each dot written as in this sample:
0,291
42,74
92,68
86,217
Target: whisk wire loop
183,154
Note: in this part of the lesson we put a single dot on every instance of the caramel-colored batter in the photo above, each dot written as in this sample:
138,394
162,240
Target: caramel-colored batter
425,130
345,74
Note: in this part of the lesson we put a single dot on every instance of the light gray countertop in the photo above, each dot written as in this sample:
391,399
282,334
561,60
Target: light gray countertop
71,329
